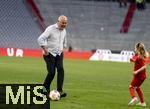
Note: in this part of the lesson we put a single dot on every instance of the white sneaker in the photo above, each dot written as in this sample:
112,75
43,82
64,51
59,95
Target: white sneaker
133,101
141,104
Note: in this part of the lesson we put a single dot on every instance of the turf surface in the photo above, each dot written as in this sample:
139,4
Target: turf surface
89,85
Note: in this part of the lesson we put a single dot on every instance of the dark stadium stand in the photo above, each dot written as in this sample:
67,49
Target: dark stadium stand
93,24
18,27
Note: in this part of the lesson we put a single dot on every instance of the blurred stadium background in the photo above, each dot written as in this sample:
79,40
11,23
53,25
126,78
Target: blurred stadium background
93,24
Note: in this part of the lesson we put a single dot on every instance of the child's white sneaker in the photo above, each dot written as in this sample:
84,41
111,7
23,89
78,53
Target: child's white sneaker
133,101
141,104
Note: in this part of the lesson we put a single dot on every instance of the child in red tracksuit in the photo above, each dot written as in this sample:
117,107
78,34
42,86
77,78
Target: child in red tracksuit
139,74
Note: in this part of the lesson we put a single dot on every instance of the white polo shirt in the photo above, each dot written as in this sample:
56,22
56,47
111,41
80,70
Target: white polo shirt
54,39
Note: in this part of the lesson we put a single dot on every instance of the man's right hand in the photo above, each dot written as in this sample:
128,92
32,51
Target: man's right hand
45,50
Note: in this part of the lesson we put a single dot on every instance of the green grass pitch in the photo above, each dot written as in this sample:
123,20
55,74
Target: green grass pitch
89,85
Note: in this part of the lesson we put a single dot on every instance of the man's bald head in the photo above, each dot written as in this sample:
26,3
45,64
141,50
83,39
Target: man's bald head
62,22
62,18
